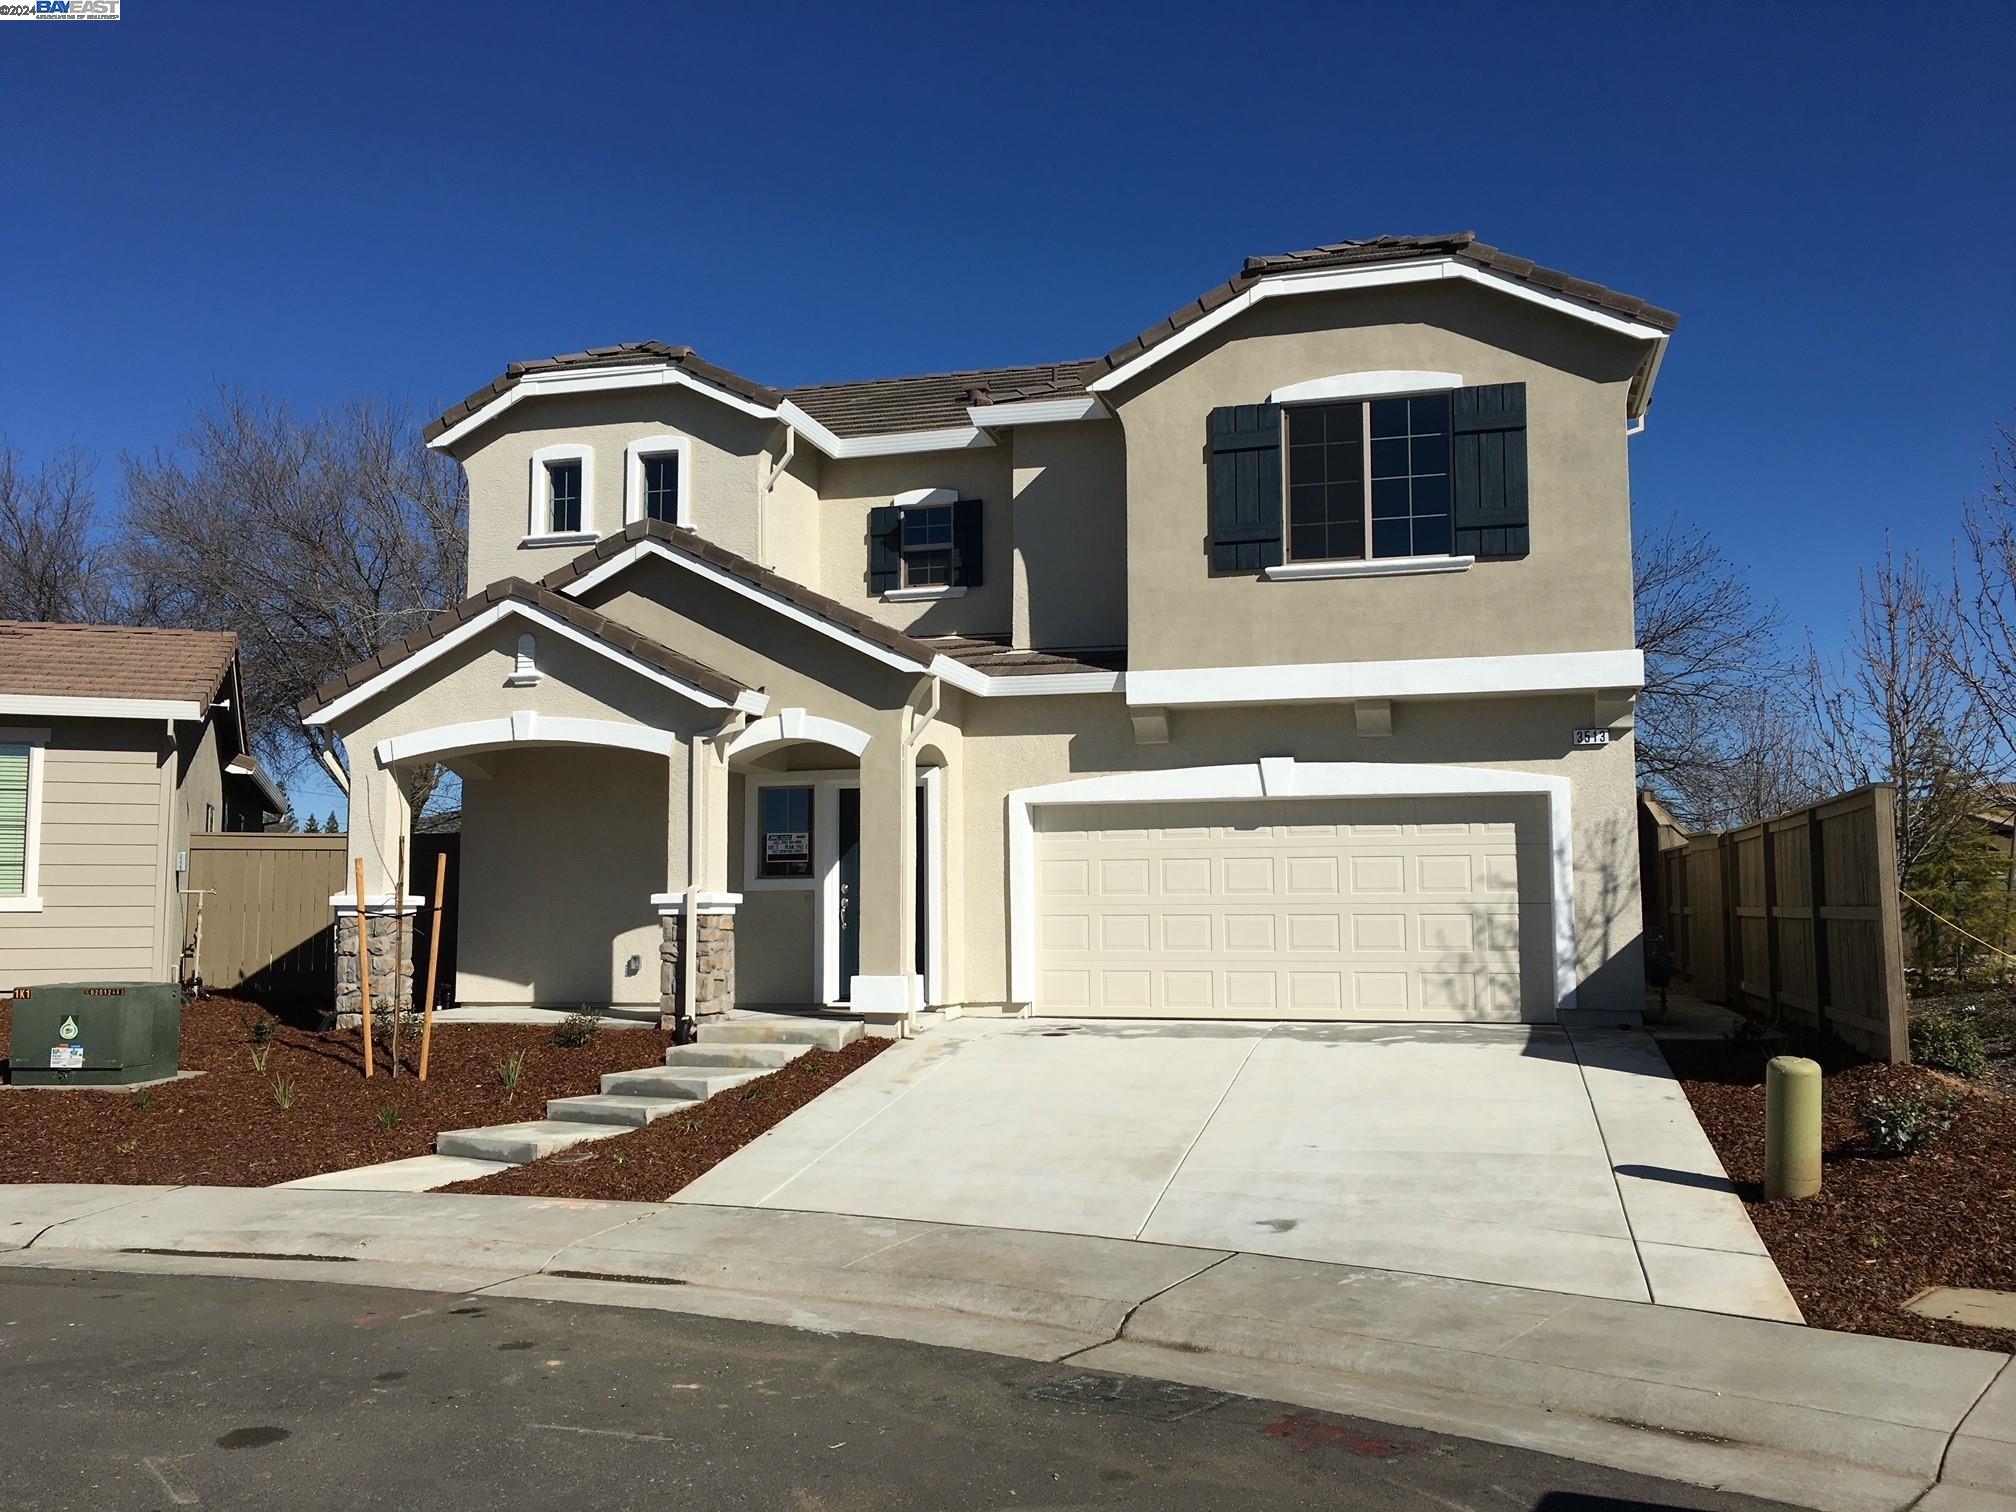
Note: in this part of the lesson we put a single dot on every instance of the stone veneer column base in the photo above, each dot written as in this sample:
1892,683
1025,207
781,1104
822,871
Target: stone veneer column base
714,967
387,940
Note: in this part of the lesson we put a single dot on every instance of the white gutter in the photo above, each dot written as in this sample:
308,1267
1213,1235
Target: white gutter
335,770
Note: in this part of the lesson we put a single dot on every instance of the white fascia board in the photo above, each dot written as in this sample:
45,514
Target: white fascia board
1026,684
1365,386
433,651
1432,677
592,381
1336,280
736,585
1040,411
238,766
55,705
1283,778
893,444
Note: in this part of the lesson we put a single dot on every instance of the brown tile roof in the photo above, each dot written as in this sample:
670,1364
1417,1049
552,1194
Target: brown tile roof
518,590
113,661
998,659
688,543
938,401
931,401
630,353
1383,249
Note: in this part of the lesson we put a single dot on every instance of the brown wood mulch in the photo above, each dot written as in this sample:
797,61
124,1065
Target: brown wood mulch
651,1163
226,1127
1882,1229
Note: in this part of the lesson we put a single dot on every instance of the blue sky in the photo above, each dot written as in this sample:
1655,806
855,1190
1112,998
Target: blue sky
358,198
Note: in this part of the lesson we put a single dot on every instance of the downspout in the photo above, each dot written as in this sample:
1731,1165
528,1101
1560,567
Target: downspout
770,486
916,736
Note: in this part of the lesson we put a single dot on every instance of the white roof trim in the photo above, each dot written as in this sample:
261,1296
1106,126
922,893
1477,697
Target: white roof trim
888,444
75,707
754,703
1335,280
244,766
1040,411
1427,677
590,381
1023,684
1364,386
747,590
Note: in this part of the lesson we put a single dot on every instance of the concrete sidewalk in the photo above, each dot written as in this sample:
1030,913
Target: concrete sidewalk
1815,1418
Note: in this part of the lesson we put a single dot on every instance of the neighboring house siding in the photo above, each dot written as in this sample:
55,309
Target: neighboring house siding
103,885
1572,593
728,465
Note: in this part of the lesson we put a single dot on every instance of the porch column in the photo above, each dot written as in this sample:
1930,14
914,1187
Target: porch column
696,860
379,818
888,981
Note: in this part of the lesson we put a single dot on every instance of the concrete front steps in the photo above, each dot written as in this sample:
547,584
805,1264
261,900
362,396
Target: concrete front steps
726,1055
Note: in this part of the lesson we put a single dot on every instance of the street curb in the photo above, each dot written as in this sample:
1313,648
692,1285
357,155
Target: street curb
1820,1419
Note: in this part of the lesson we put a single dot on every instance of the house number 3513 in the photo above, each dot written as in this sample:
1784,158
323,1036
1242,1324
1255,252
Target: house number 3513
1592,737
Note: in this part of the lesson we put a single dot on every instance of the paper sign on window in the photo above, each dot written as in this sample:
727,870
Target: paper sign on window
787,845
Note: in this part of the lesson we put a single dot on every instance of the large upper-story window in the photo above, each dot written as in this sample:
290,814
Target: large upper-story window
661,488
924,544
1369,479
927,546
657,482
563,483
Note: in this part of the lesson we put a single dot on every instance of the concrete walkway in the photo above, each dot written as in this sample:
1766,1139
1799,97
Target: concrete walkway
1819,1419
1531,1157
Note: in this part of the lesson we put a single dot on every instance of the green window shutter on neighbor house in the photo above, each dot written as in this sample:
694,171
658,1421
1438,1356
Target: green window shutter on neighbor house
13,820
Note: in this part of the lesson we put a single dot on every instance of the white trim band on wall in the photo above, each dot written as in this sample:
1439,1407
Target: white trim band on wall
705,904
1277,777
1426,677
1365,386
787,725
523,727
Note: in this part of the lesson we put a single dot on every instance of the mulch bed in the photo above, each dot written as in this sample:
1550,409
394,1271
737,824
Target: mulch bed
1992,1008
226,1128
1882,1229
651,1163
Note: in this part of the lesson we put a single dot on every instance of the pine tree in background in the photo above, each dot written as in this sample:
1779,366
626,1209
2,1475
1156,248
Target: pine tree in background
1960,872
311,827
330,826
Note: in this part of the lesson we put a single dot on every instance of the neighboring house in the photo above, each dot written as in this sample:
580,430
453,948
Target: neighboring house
1277,664
116,745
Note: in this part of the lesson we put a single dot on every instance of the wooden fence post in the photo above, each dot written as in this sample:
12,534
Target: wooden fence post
1889,912
1769,847
1816,888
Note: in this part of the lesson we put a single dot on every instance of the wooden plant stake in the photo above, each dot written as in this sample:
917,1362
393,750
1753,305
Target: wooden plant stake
433,959
364,962
398,955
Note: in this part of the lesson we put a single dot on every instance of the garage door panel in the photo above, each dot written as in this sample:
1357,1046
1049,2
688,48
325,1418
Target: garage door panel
1336,908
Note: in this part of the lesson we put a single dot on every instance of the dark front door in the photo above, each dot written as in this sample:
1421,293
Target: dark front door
850,889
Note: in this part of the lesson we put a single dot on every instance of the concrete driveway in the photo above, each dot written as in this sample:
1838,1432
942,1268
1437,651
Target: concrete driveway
1522,1156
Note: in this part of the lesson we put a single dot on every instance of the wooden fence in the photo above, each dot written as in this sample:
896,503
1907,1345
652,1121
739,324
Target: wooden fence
1797,918
267,924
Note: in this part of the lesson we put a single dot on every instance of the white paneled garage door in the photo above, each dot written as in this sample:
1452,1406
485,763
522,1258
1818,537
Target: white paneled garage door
1349,908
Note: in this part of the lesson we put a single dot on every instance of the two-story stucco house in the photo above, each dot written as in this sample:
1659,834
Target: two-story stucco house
1277,664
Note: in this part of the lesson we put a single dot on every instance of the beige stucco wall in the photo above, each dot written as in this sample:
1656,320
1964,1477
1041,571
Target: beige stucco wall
1572,593
104,884
728,467
1018,743
1070,535
790,517
848,490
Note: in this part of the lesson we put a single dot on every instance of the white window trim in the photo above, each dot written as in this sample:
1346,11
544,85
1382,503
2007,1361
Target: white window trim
1347,567
633,475
924,594
539,514
1284,777
1374,385
29,899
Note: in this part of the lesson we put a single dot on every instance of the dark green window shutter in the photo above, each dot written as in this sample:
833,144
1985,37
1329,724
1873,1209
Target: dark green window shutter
1245,442
885,549
1487,457
966,543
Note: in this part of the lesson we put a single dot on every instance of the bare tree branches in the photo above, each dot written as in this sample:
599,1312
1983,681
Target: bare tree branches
54,563
1982,657
319,540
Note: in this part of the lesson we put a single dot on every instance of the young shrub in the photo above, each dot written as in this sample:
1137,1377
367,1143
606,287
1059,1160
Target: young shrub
575,1030
284,1091
511,1069
388,1116
1948,1042
260,1055
142,1099
262,1031
1903,1123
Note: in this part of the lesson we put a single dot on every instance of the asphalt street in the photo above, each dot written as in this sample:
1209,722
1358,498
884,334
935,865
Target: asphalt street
128,1393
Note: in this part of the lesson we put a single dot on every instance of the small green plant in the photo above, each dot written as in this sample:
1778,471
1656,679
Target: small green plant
1903,1123
388,1116
127,1146
620,1156
1948,1042
575,1030
142,1099
262,1031
260,1055
284,1091
511,1069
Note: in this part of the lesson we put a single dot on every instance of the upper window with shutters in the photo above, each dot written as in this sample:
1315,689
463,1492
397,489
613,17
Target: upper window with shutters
1397,483
924,545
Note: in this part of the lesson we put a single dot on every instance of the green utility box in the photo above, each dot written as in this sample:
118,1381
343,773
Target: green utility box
95,1034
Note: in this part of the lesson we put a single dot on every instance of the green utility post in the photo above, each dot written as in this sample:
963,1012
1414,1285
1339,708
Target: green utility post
1791,1128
